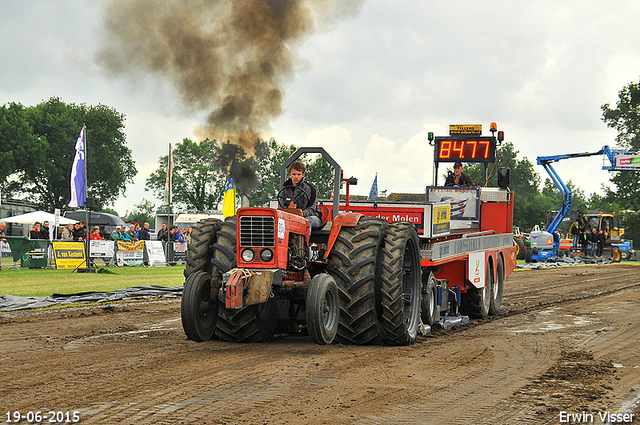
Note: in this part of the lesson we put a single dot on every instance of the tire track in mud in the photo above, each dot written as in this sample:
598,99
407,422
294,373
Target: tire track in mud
470,377
113,370
222,391
523,299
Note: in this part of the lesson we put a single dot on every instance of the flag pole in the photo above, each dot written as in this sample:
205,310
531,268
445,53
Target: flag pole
170,177
86,210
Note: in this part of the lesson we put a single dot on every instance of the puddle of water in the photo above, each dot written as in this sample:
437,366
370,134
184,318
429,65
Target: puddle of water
548,326
162,326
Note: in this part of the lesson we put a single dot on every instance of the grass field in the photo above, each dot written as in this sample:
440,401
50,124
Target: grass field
43,282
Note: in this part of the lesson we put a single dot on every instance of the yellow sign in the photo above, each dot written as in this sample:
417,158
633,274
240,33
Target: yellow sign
130,253
68,255
441,218
130,246
465,129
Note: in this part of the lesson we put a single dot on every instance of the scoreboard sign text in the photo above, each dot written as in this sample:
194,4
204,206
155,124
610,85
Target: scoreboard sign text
467,149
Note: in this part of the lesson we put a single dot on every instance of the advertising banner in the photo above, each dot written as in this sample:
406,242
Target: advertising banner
102,249
37,256
155,253
179,251
631,162
5,249
130,253
68,255
464,201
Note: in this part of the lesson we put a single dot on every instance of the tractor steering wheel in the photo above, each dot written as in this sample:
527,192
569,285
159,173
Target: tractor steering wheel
300,198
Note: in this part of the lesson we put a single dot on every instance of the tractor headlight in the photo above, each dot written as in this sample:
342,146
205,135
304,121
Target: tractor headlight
266,255
247,255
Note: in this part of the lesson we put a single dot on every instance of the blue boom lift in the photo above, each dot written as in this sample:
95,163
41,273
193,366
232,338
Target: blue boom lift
545,244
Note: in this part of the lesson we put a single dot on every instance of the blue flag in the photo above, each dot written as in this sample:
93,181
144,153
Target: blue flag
78,173
374,189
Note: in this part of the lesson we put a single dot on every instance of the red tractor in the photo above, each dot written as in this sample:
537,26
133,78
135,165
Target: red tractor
368,276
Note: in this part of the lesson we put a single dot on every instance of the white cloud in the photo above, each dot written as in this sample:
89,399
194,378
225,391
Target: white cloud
370,86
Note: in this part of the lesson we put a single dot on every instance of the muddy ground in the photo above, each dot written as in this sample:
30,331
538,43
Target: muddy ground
566,343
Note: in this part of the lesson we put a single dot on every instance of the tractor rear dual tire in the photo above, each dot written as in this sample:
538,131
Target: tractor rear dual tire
252,323
199,250
353,264
401,285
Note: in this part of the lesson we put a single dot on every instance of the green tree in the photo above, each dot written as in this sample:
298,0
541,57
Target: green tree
20,147
42,164
625,119
631,225
602,202
194,177
530,205
144,212
269,157
201,170
320,173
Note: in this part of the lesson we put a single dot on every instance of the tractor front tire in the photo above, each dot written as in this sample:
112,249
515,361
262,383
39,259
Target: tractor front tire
199,305
322,309
401,284
353,264
198,309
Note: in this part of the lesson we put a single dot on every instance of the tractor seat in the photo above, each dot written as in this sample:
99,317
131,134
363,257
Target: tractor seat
326,213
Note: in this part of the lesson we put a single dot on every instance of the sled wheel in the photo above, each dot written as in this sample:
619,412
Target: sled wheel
322,309
476,301
497,289
352,263
429,311
198,309
401,284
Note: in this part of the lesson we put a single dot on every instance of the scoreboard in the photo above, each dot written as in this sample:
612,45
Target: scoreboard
465,143
465,149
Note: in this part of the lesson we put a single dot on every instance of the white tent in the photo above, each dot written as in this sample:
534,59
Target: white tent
39,216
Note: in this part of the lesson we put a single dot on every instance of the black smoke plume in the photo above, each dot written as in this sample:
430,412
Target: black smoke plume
229,58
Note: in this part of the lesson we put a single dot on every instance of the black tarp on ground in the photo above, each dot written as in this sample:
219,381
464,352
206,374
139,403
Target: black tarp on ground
566,261
13,303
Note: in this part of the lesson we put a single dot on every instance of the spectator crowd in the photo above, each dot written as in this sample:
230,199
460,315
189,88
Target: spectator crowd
133,233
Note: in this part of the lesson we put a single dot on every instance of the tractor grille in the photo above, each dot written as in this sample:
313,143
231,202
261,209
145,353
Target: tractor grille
258,231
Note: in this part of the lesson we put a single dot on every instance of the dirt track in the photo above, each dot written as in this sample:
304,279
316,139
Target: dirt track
566,341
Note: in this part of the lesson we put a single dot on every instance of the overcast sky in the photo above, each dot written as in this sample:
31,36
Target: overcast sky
369,86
